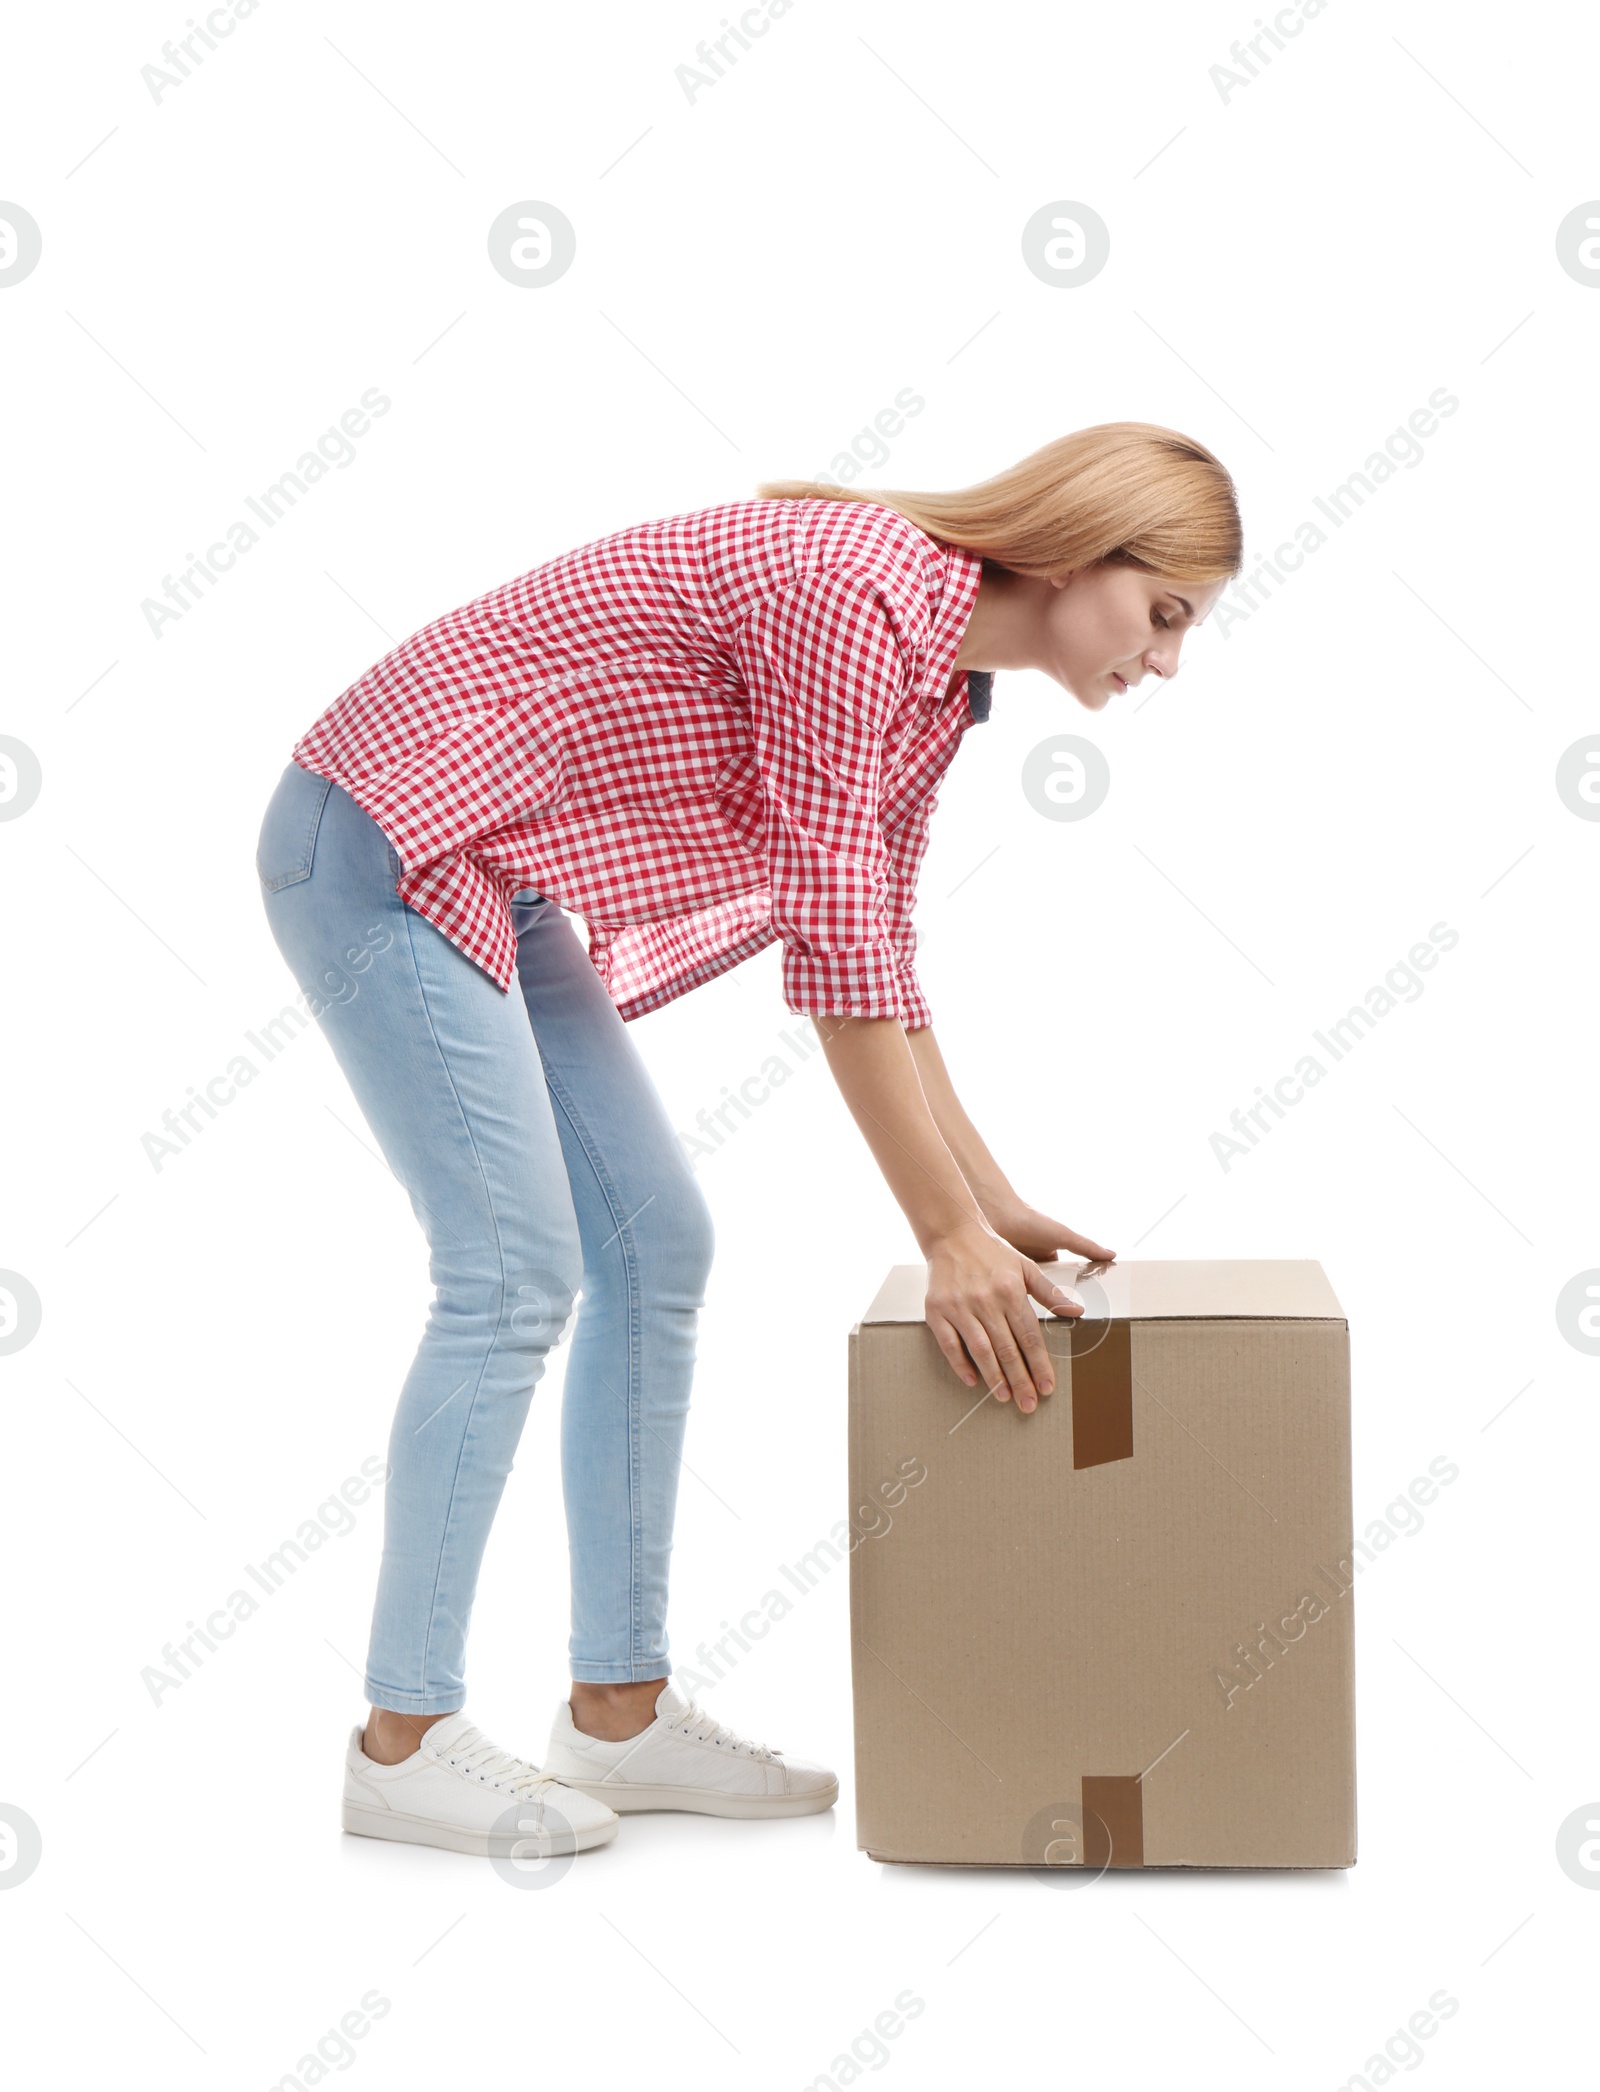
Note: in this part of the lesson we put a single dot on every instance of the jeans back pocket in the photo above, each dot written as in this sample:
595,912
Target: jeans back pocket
288,838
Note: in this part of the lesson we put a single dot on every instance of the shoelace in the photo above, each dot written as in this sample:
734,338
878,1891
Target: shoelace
473,1752
694,1721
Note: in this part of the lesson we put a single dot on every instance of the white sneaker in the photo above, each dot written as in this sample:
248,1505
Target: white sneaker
457,1787
685,1760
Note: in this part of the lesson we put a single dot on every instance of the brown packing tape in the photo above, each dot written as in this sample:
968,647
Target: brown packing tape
1102,1392
1113,1821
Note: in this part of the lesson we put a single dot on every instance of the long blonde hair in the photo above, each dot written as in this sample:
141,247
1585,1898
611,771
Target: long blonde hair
1126,492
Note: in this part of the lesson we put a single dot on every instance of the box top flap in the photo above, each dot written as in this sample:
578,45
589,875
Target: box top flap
1150,1290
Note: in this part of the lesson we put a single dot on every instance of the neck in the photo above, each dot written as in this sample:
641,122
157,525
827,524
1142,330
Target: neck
1002,623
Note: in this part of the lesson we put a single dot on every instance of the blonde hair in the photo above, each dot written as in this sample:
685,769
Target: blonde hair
1125,492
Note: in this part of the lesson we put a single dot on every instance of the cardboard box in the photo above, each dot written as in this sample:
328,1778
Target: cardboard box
1118,1631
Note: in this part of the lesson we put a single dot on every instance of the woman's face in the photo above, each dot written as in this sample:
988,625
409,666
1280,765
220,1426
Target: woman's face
1104,628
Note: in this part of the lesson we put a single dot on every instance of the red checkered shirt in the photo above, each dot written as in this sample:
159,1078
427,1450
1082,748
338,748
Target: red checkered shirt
700,734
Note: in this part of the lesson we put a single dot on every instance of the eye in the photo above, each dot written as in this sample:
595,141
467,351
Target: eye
1163,622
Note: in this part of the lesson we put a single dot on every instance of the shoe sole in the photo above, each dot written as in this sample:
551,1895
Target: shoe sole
449,1837
629,1800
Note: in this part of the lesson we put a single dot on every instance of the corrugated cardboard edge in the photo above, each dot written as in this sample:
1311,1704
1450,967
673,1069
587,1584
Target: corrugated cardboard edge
1256,1289
896,1859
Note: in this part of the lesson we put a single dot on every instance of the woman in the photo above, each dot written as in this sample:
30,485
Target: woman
703,734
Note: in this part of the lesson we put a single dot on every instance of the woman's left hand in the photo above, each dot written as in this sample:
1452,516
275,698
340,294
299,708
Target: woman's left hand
1036,1234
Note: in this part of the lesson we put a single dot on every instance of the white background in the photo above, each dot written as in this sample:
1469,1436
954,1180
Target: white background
1292,272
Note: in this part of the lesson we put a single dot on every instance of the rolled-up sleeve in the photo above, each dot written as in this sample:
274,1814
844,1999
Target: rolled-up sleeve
826,661
908,843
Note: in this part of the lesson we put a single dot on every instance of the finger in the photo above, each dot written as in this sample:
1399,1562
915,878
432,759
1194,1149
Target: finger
1036,1360
1003,1338
1083,1246
1080,1245
1043,1287
976,1338
1020,1346
950,1344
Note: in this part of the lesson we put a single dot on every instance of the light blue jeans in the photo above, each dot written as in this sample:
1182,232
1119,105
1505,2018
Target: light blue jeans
538,1159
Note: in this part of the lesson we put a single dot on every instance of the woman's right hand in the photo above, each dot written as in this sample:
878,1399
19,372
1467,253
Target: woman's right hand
979,1307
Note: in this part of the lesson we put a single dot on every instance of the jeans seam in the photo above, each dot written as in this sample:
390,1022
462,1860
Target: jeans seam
304,862
444,1531
635,1354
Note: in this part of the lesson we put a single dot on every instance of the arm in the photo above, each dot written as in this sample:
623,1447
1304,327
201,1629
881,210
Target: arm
978,1166
1016,1222
873,1064
978,1285
824,665
1034,1234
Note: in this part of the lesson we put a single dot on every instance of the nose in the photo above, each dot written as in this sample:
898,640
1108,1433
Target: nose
1162,656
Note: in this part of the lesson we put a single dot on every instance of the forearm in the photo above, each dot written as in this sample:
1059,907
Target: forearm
878,1076
988,1181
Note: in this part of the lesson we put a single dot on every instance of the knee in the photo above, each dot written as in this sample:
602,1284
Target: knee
542,1282
692,1234
519,1294
667,1247
539,1299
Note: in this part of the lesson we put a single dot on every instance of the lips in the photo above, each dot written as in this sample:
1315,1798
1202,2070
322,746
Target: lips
1120,681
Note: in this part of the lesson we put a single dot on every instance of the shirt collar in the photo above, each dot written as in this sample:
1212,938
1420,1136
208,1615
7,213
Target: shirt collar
963,572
